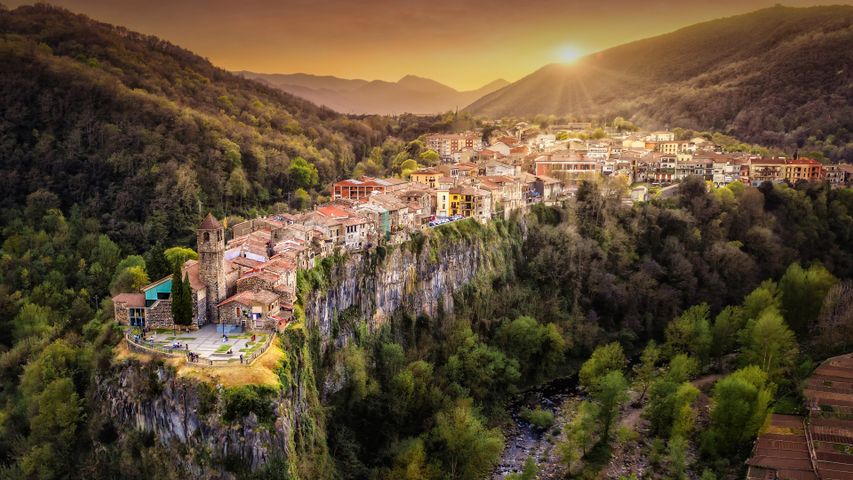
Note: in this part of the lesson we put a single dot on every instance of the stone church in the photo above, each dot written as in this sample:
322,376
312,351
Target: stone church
226,288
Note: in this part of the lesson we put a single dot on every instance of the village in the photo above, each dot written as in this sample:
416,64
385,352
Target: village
244,281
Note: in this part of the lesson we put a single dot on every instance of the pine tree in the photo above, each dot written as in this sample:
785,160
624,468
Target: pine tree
177,294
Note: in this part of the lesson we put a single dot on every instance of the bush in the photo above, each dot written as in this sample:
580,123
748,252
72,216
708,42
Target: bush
241,401
538,417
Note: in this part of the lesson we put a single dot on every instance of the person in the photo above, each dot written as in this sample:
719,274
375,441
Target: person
241,358
253,337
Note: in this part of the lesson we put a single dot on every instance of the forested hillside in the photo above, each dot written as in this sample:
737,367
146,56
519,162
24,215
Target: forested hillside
426,397
777,77
147,137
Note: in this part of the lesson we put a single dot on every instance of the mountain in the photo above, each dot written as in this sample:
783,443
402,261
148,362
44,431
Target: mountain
145,135
775,76
410,94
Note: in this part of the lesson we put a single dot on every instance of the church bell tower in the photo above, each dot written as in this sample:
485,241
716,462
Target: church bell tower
211,258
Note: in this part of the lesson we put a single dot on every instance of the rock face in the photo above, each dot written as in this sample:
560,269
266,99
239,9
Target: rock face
150,398
419,278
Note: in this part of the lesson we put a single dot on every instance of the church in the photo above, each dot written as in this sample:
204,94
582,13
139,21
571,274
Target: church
229,287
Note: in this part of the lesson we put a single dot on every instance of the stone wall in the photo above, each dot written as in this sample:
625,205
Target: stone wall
159,315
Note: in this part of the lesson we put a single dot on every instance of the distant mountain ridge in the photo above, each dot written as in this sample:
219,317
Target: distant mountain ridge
776,76
410,94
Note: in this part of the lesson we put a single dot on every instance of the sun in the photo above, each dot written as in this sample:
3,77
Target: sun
569,53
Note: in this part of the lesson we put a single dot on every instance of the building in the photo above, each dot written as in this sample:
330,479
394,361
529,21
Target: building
568,168
352,189
818,446
447,144
765,170
426,176
802,169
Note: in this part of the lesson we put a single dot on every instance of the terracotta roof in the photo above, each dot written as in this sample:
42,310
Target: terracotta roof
130,299
210,223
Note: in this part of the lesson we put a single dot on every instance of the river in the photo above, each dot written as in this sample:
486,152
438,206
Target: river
524,440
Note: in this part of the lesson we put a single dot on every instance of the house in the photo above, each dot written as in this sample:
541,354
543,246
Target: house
770,169
447,144
568,168
252,310
496,168
352,189
802,168
426,176
661,136
469,201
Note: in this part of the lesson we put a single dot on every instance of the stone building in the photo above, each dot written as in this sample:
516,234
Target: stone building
211,272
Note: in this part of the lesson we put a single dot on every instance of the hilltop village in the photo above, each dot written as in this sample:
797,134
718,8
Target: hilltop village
246,276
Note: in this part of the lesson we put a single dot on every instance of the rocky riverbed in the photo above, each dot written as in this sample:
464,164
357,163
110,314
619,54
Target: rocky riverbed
524,440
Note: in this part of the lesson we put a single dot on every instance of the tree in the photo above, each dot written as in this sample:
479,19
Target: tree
646,370
803,291
690,333
610,393
581,433
301,200
537,348
603,360
410,462
429,157
302,174
131,279
834,327
740,407
469,449
181,299
528,472
484,370
724,332
670,410
179,255
677,456
770,344
53,431
33,320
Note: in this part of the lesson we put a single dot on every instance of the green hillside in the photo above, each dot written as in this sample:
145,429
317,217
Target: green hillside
145,135
779,76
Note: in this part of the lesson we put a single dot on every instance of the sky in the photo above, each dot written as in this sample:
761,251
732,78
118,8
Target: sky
463,44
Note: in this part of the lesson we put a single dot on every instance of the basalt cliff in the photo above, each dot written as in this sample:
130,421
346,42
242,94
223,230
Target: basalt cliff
215,431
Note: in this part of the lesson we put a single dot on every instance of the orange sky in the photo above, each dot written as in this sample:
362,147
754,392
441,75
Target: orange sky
464,44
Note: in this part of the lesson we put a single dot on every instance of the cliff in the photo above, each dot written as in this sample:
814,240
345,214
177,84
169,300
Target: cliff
216,432
419,277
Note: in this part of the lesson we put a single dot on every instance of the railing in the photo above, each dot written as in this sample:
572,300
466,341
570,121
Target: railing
179,353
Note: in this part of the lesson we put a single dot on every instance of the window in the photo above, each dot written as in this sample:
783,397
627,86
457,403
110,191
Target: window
206,236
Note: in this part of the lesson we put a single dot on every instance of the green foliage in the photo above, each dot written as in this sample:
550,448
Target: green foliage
179,255
646,370
610,392
529,472
803,291
581,434
469,449
605,359
670,411
239,402
770,344
538,417
302,174
690,333
741,405
181,296
537,348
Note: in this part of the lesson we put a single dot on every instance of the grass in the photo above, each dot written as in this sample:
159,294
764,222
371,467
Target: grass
223,348
262,372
